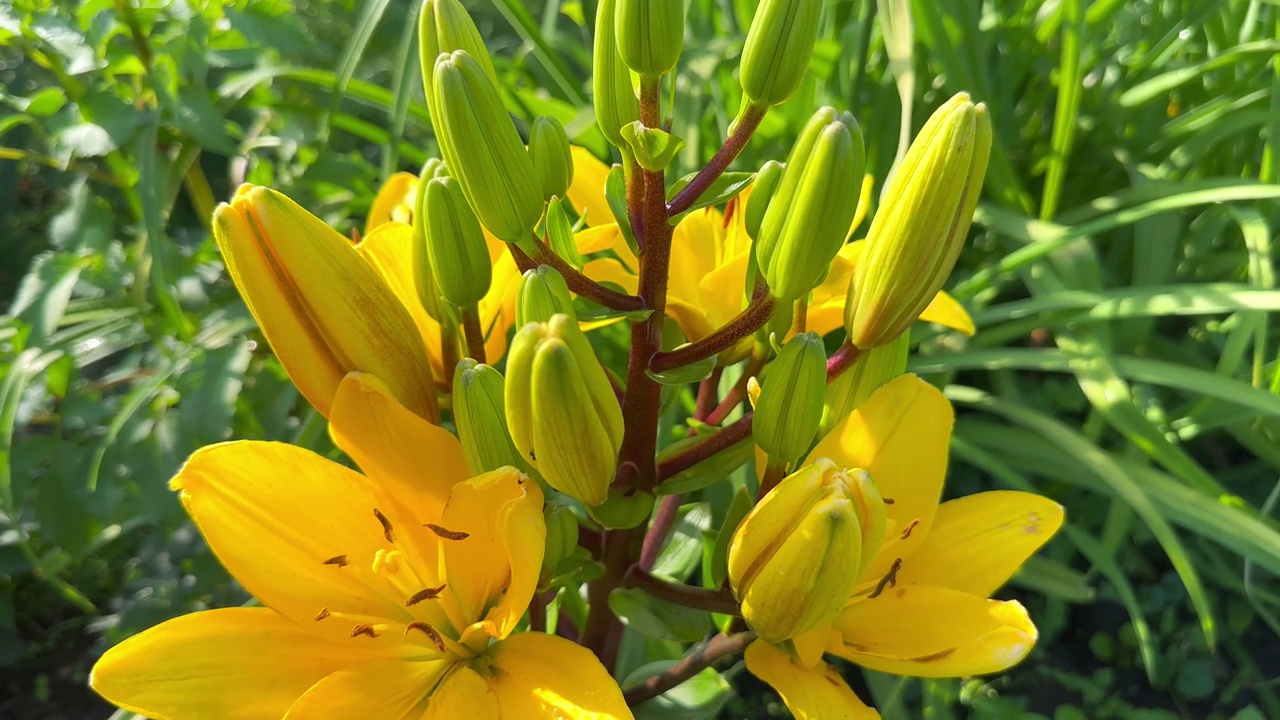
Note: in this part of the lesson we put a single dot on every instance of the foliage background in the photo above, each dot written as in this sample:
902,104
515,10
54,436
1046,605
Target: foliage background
1121,273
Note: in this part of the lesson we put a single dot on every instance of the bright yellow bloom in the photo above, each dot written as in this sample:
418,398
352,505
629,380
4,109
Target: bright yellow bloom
322,309
921,607
391,594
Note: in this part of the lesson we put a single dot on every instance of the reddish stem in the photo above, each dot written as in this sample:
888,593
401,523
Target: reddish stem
710,652
721,439
733,145
842,360
576,281
716,601
748,321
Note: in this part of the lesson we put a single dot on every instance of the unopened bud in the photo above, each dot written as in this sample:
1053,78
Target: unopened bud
443,27
789,406
778,48
483,150
613,94
424,279
809,216
562,411
762,190
549,151
542,294
562,539
872,369
650,35
456,248
922,223
796,558
479,413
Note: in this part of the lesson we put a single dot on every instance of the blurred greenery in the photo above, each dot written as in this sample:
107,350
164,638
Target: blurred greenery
1121,274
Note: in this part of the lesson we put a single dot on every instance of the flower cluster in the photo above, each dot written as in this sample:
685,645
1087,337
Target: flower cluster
506,461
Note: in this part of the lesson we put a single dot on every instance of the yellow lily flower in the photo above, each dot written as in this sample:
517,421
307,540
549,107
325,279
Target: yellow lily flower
921,606
324,311
392,594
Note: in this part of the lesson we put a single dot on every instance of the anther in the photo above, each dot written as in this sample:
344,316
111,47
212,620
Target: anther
364,629
446,533
324,613
428,594
386,525
339,560
889,580
906,531
887,501
430,632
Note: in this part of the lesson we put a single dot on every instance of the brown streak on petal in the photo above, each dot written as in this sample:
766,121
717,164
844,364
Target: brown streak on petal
427,594
339,560
324,613
887,501
940,655
386,525
890,579
906,531
364,629
430,631
446,533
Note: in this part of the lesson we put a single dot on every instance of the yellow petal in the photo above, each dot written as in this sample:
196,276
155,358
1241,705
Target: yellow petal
495,568
900,435
722,292
948,312
864,202
977,542
693,254
926,631
608,270
826,304
394,201
544,677
234,663
417,462
463,694
587,191
274,514
498,306
376,689
324,311
817,693
389,251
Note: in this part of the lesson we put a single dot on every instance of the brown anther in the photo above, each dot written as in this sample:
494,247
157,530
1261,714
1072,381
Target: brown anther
889,580
906,531
887,501
364,629
428,594
324,613
339,560
446,533
386,525
430,631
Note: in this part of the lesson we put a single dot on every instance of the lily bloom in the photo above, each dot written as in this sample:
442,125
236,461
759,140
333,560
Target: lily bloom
389,594
920,606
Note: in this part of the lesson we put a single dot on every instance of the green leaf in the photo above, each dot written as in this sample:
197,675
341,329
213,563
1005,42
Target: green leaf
701,697
725,188
560,234
656,618
707,472
615,191
683,550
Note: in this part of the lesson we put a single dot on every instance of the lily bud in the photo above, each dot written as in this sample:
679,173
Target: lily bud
479,413
922,224
872,369
324,310
443,27
650,35
483,150
798,555
762,190
563,414
613,94
562,539
809,216
789,406
778,48
456,248
424,279
542,294
549,151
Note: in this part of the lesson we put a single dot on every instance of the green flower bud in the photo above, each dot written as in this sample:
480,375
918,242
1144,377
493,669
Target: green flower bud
809,216
797,556
613,94
621,511
443,27
542,294
424,280
456,247
790,404
873,368
779,45
762,190
650,35
563,414
483,150
479,413
549,151
562,540
922,223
